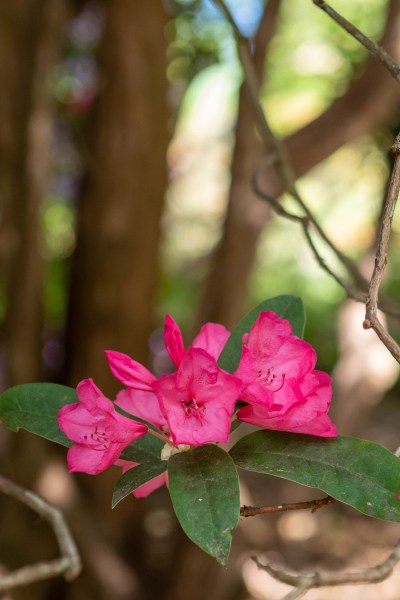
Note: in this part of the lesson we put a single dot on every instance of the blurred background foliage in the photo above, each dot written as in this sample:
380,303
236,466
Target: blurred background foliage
310,62
64,307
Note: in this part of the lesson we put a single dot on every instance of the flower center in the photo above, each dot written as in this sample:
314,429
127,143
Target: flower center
193,409
269,377
99,437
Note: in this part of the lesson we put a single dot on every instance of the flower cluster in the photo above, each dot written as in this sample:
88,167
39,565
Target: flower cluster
275,382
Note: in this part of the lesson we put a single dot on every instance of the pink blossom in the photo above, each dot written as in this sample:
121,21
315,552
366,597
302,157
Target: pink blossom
212,338
99,432
146,488
282,389
198,400
130,372
139,398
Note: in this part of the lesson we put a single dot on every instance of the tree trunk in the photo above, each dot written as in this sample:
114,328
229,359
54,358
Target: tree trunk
115,271
222,298
30,40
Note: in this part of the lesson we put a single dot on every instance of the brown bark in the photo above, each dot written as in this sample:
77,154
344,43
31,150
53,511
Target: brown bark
116,262
30,39
246,215
370,102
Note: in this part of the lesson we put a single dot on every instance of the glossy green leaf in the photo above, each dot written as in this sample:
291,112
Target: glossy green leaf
34,407
145,449
357,472
135,477
287,307
204,488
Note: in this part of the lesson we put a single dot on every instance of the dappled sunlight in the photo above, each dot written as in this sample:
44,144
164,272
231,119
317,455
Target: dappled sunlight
260,584
297,526
56,485
159,523
365,372
199,155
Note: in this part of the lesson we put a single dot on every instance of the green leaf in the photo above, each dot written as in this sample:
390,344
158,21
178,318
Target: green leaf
145,449
135,477
204,488
287,307
357,472
34,407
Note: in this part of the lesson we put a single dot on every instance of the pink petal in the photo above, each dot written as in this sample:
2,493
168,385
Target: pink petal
90,395
212,338
248,368
295,357
173,340
146,488
125,464
302,409
125,430
153,484
86,460
142,404
130,372
77,422
267,334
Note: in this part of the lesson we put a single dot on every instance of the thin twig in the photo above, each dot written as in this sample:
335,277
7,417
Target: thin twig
278,149
305,223
280,157
375,49
381,257
350,290
252,511
386,305
69,564
304,583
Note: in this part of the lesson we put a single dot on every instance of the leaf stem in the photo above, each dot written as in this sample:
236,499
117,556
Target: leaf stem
161,437
251,511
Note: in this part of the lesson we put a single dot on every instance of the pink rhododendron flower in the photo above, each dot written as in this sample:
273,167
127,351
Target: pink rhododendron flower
198,400
210,340
146,488
282,389
99,432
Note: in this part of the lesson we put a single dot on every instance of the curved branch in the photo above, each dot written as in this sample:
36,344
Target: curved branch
69,564
304,583
371,314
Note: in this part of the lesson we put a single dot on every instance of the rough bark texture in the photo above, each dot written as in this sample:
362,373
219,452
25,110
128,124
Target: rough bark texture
30,40
370,102
115,268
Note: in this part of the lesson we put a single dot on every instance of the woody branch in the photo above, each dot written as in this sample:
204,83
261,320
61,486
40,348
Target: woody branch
68,564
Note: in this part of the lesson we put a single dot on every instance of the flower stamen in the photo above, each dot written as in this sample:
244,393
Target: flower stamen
100,437
270,377
193,409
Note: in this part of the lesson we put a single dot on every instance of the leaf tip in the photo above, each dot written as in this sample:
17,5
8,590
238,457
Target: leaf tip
115,500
